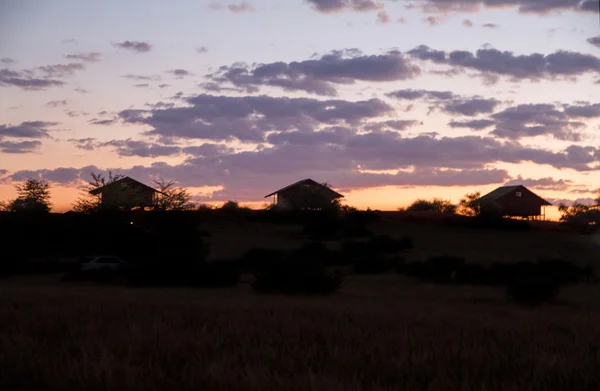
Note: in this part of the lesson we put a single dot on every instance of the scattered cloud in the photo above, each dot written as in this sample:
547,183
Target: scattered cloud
81,90
383,17
504,63
25,81
19,147
27,129
541,7
401,20
491,25
136,46
242,7
318,75
143,85
163,85
249,118
96,121
56,103
70,40
594,41
88,57
541,183
476,124
449,102
467,23
61,70
333,6
7,60
201,49
87,144
180,73
142,77
433,20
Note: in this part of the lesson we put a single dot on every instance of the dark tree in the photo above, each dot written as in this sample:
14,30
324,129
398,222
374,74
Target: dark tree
468,206
32,196
171,197
88,203
436,205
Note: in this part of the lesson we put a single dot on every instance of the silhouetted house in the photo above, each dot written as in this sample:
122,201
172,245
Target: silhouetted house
126,193
304,194
514,201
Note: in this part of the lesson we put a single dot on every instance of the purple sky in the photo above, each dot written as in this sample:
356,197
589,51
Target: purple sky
386,100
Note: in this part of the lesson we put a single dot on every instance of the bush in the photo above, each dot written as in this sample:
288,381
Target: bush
533,291
259,259
436,269
370,257
293,276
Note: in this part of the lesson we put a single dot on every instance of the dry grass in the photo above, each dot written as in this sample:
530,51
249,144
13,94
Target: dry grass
231,240
379,333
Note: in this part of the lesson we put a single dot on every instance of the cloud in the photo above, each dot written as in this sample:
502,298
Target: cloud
136,46
180,73
583,110
333,6
594,41
467,23
70,40
141,77
242,7
7,60
249,118
319,75
449,102
96,121
87,144
491,25
163,85
401,20
27,129
61,70
541,7
541,183
201,49
81,90
476,124
433,20
19,147
143,85
140,148
529,120
383,17
26,81
74,114
390,124
88,57
56,103
532,66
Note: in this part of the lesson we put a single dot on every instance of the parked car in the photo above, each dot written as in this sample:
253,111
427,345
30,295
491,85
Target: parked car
101,262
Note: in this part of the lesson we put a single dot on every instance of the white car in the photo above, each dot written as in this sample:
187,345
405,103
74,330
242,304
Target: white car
101,262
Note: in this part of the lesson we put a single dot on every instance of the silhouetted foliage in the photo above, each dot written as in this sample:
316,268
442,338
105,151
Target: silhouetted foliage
468,206
534,291
297,276
583,218
89,203
33,196
372,256
436,205
170,197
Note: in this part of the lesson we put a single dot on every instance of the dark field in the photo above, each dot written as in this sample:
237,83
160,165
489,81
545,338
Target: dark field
378,333
383,332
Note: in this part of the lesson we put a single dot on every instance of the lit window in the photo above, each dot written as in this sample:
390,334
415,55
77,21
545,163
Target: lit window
518,194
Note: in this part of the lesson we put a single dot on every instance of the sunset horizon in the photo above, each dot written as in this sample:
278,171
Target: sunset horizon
387,101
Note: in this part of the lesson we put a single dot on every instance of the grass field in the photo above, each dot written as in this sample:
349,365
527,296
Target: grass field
383,332
232,239
378,333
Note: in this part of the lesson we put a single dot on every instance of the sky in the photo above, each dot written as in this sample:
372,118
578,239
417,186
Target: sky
387,101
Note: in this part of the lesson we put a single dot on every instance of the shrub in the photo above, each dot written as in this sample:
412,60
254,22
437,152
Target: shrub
370,257
293,276
437,269
533,291
259,259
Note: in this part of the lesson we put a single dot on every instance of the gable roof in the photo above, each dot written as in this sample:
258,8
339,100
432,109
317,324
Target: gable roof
307,181
99,190
504,190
